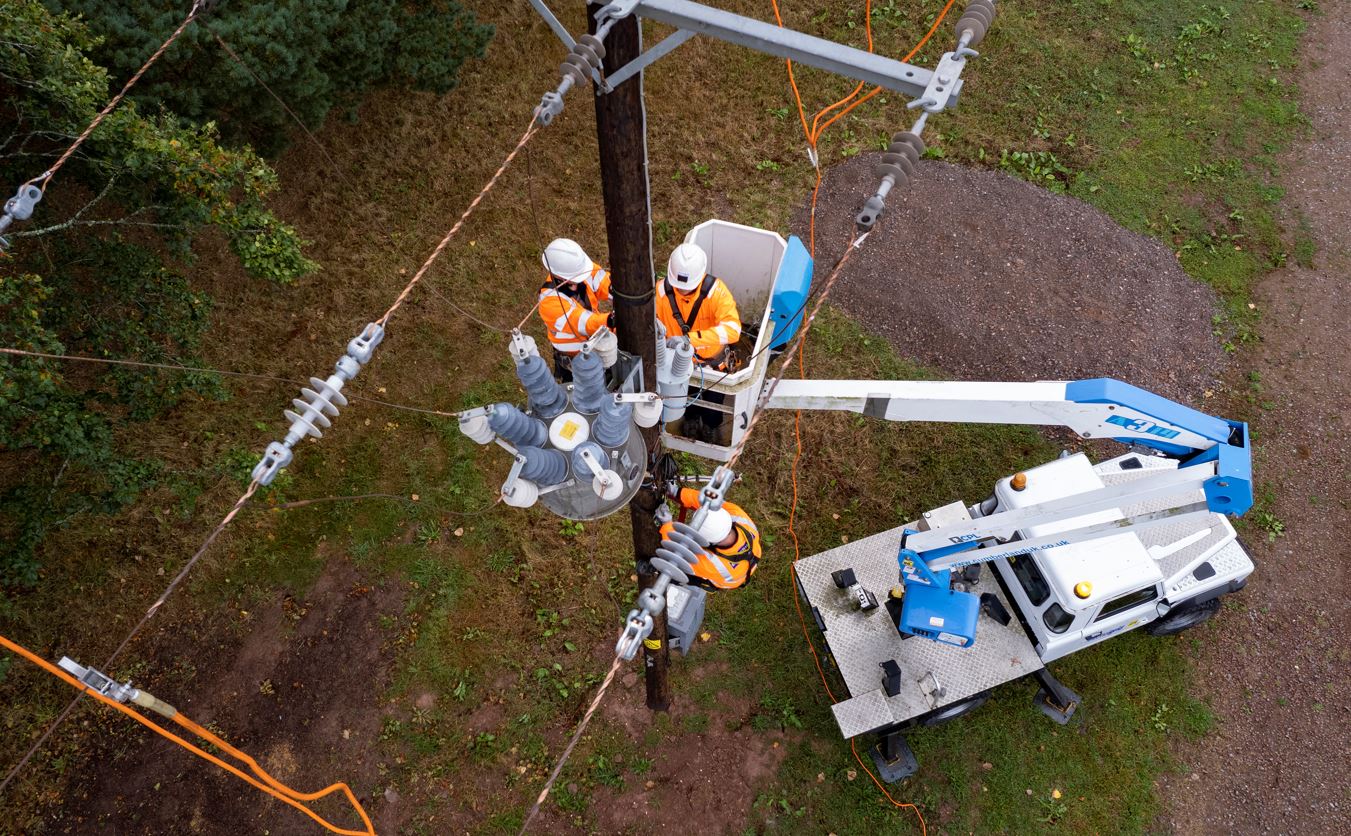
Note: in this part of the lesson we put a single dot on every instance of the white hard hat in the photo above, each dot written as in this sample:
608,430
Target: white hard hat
566,259
717,525
687,267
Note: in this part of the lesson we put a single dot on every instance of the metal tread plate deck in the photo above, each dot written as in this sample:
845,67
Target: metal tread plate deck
861,641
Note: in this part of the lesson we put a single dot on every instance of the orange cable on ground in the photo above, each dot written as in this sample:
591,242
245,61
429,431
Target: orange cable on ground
269,785
813,135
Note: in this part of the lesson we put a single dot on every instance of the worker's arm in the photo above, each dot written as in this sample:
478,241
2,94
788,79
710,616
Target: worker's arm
720,310
689,499
601,284
564,317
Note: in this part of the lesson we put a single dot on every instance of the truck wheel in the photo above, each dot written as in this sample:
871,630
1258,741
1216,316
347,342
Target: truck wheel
1183,618
955,710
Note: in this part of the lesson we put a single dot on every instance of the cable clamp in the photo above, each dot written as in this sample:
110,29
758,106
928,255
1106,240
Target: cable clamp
19,208
97,682
813,157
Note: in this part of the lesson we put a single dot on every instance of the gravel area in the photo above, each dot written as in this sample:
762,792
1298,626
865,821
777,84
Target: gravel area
985,276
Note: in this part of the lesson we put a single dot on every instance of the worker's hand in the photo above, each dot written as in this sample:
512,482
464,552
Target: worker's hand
672,489
663,515
609,318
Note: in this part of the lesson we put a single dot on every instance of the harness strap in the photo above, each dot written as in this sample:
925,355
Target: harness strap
704,289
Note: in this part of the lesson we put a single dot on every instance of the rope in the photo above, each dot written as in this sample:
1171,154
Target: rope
567,751
45,178
813,135
269,785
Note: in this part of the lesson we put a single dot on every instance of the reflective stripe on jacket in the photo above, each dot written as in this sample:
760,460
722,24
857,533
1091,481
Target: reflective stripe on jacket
716,324
730,567
570,311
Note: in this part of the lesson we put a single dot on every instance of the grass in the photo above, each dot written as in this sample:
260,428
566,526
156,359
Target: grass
506,615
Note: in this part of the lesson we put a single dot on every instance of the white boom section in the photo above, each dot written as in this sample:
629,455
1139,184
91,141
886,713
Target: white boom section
1040,403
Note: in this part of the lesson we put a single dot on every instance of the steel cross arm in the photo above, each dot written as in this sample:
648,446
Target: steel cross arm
787,43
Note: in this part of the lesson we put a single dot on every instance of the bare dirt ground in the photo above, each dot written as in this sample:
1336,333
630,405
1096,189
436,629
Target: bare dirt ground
991,278
1277,669
282,692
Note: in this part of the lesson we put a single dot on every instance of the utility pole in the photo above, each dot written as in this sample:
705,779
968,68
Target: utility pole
621,133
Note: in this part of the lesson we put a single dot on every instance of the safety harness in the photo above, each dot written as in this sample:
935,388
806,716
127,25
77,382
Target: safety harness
686,325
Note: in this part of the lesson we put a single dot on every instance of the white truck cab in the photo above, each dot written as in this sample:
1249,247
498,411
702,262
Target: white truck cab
1073,595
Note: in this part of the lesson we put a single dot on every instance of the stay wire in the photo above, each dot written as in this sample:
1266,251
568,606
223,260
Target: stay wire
234,56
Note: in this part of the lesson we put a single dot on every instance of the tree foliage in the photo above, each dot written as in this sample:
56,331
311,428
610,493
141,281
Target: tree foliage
100,269
314,54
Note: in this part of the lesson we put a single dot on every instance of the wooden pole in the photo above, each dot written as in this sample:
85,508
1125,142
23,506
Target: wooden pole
621,133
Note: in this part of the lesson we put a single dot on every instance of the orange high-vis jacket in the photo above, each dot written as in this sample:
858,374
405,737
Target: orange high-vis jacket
726,568
708,316
571,311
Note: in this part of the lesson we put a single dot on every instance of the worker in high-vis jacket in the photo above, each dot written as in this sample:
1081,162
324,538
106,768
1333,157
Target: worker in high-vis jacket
570,301
733,549
692,302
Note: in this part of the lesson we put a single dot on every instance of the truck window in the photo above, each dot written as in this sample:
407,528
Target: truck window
1127,601
1057,620
1031,579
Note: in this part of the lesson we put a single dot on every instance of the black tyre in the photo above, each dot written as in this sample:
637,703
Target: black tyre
955,710
1184,617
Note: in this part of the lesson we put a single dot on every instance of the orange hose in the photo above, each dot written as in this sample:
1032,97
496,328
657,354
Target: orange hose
813,136
273,787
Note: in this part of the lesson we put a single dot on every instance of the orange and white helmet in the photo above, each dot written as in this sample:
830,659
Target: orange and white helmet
686,268
566,259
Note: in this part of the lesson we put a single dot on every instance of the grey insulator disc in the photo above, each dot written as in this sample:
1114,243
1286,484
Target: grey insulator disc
576,66
593,43
899,178
904,140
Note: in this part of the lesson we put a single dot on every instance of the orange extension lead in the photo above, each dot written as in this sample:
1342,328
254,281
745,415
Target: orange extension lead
268,784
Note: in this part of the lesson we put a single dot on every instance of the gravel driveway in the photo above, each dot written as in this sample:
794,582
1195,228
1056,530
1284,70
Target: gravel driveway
988,277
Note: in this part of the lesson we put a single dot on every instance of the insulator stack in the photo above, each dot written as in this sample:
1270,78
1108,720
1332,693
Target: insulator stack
611,428
543,467
673,383
661,344
976,20
679,551
588,382
316,406
547,397
516,427
682,359
901,158
584,58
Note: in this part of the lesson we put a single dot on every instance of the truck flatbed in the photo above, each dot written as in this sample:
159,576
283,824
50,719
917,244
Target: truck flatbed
932,674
